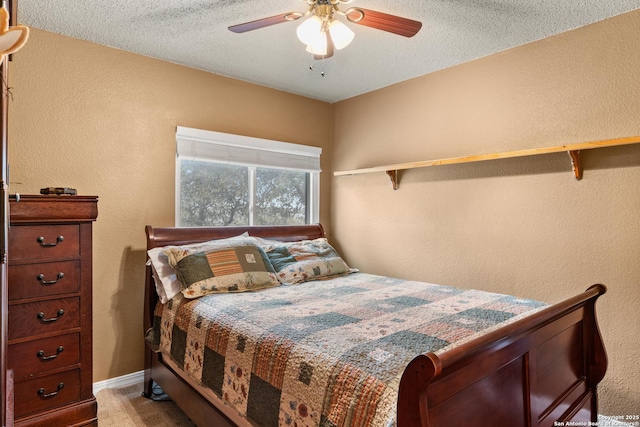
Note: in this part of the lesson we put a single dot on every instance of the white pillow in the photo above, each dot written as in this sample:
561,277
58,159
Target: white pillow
167,284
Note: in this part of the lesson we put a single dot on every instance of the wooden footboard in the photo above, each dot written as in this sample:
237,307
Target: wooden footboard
542,369
533,372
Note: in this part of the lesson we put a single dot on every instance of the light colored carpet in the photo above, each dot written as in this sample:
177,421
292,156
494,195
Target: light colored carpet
126,407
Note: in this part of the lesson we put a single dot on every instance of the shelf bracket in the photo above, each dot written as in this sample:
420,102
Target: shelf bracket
393,175
575,163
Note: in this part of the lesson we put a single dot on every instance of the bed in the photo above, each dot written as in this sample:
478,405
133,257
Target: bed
540,367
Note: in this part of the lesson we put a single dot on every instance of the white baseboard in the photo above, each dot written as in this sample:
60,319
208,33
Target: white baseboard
122,381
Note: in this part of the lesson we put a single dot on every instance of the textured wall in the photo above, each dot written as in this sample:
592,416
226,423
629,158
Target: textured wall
520,226
103,121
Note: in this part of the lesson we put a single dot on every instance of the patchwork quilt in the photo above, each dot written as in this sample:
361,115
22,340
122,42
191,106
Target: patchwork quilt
324,353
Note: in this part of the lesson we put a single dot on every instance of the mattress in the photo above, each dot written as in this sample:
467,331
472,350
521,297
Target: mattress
322,353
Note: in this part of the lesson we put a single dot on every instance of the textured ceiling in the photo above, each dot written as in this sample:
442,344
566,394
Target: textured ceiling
194,33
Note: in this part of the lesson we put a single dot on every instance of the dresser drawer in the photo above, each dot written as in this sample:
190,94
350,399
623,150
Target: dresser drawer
35,280
44,241
43,317
33,357
48,392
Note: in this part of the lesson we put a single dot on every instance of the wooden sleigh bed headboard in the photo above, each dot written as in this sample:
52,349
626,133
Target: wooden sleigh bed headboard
158,237
536,371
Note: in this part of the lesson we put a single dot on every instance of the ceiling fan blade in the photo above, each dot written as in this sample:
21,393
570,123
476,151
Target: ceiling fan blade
383,21
265,22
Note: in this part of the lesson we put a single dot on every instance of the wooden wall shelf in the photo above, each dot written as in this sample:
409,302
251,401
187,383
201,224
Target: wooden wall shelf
572,149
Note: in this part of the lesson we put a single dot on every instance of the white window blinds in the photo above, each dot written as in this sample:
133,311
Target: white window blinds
244,150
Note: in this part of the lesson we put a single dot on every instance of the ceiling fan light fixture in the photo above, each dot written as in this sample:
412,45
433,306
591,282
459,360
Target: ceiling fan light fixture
341,35
322,33
309,29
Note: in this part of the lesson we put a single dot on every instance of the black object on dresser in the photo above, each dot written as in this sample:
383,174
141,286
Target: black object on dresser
49,319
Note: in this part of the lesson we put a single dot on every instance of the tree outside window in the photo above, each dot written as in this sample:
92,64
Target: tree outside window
216,194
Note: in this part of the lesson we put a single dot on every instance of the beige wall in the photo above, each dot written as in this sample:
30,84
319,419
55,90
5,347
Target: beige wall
103,121
521,226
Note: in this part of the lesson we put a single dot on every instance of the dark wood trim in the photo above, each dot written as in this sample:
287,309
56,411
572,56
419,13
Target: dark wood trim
85,410
187,235
38,208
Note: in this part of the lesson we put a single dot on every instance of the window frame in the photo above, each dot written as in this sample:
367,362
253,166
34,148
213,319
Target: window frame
253,153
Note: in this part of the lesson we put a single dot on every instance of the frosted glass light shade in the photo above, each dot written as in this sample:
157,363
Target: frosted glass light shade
318,45
309,29
341,35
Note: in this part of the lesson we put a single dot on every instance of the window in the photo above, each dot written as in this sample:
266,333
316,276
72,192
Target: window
224,179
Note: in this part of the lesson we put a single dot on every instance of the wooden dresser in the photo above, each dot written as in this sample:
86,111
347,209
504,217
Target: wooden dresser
49,319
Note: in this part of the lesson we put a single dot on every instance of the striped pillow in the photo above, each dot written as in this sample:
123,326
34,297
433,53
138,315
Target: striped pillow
218,267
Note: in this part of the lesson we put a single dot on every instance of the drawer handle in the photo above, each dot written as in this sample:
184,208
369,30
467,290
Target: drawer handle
49,282
42,394
51,319
41,355
40,240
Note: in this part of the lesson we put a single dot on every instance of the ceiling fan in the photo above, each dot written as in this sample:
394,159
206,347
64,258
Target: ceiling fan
322,32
